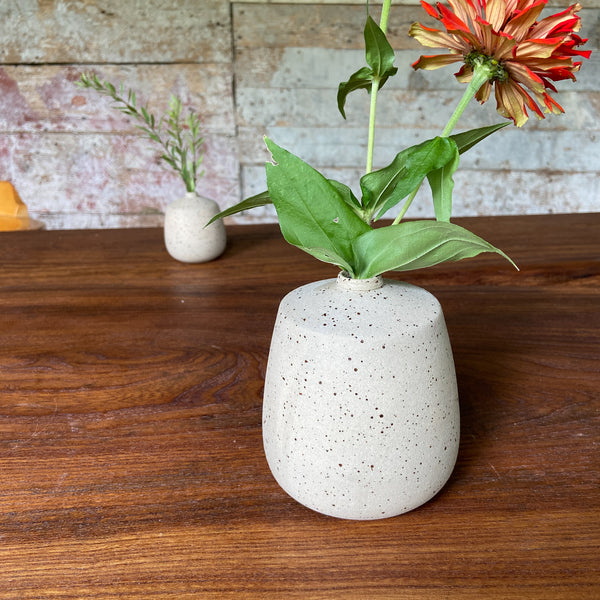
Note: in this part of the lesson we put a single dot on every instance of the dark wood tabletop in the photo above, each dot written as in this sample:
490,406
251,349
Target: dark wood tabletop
131,461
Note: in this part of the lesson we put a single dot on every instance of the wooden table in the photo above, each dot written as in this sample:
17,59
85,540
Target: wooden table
131,462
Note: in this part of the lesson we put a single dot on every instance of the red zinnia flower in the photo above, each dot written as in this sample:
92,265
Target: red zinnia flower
524,56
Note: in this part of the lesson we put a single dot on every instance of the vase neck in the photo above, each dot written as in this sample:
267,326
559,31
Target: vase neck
359,285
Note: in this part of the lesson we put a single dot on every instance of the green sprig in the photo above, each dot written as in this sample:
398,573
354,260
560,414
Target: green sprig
179,137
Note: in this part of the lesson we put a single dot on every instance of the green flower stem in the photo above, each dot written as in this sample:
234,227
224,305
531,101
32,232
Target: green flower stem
385,12
481,74
406,205
371,142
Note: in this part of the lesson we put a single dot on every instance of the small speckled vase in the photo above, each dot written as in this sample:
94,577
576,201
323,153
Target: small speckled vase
186,237
360,413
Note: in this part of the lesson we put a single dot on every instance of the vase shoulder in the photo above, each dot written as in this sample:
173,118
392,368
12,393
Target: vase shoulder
328,305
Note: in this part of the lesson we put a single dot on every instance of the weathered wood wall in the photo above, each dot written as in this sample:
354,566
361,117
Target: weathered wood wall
255,68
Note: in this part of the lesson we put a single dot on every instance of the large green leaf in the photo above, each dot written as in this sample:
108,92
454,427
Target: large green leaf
379,53
313,215
380,58
348,196
442,184
252,202
384,188
440,180
415,245
467,139
361,80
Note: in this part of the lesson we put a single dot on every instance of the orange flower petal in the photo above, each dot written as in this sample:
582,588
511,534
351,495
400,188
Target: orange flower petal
504,45
531,103
429,9
495,13
553,106
434,38
519,26
464,10
482,96
470,39
465,74
523,74
510,104
548,25
450,20
536,48
429,63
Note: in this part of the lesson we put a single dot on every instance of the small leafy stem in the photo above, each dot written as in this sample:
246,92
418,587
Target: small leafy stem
179,139
385,11
481,74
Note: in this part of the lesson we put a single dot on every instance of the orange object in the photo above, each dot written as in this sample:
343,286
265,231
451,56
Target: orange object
13,212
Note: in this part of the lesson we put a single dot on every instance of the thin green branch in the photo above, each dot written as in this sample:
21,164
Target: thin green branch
385,11
407,204
372,113
481,74
180,151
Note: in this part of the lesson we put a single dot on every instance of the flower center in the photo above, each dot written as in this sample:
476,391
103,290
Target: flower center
497,72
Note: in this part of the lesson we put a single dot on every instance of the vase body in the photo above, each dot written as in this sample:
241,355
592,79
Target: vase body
186,237
360,411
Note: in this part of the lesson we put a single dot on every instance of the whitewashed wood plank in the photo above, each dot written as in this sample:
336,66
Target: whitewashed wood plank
61,173
481,192
325,68
399,108
572,147
44,98
324,26
114,31
555,3
396,3
506,149
264,25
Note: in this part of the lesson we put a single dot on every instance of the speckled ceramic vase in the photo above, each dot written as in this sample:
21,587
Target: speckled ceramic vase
186,237
360,412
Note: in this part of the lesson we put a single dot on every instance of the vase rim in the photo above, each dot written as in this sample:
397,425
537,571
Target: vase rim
359,285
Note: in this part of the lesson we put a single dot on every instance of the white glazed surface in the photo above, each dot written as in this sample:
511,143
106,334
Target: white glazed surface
186,237
360,412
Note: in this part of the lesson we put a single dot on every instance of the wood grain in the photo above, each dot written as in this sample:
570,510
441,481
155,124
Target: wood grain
131,460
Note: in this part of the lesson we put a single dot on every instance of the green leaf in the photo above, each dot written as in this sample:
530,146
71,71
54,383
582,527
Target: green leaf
415,245
380,58
169,160
362,79
440,180
348,195
442,184
384,188
253,202
379,54
467,139
313,215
